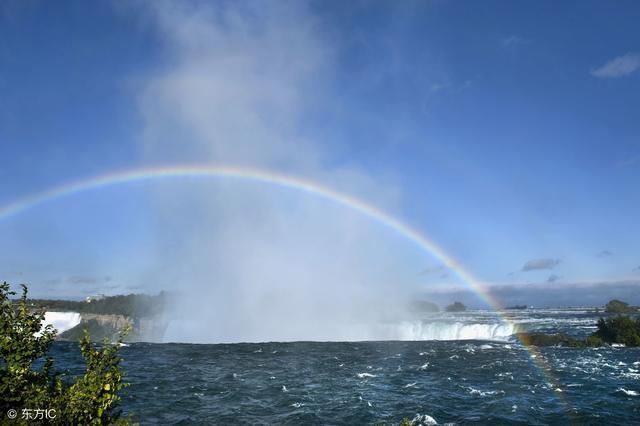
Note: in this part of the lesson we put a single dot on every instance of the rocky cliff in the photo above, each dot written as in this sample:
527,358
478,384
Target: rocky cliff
147,329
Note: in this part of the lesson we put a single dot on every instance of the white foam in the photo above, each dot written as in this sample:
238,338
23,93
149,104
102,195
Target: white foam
363,375
423,420
631,375
479,392
445,330
629,392
62,321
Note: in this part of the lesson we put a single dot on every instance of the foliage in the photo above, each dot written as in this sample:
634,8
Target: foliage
620,329
91,400
20,346
456,307
619,307
542,339
594,341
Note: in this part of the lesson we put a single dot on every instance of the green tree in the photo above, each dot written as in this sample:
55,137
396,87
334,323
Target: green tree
620,329
24,343
456,307
618,307
23,340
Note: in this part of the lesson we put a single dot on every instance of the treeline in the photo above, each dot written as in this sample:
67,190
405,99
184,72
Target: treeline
424,306
619,329
615,330
612,307
130,305
619,307
622,327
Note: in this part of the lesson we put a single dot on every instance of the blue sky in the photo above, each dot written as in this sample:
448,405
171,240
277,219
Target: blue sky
506,132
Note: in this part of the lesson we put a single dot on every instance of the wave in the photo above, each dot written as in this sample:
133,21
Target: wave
628,392
479,392
61,321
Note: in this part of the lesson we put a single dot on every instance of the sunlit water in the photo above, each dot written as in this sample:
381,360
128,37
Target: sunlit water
461,382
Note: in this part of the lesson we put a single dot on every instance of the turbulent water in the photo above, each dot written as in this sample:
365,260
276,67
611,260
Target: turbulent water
494,381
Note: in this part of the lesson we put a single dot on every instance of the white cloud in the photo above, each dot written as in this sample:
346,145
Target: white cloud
513,41
539,264
619,67
629,162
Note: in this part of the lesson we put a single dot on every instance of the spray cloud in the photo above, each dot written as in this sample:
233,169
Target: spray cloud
254,262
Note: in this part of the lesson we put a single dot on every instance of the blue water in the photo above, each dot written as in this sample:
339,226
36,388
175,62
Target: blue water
459,382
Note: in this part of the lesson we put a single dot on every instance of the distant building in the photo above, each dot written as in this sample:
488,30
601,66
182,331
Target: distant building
90,299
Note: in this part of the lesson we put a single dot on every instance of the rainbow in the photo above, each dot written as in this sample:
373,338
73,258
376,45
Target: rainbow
284,181
263,176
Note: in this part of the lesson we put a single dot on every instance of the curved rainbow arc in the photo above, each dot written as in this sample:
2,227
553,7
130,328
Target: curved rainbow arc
278,179
285,181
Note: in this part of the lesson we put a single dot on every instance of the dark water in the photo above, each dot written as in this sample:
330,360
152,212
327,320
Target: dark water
461,382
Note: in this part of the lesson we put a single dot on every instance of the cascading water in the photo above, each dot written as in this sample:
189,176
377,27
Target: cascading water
443,330
412,330
62,321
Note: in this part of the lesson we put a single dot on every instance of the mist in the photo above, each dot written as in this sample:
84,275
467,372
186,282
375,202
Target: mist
254,262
